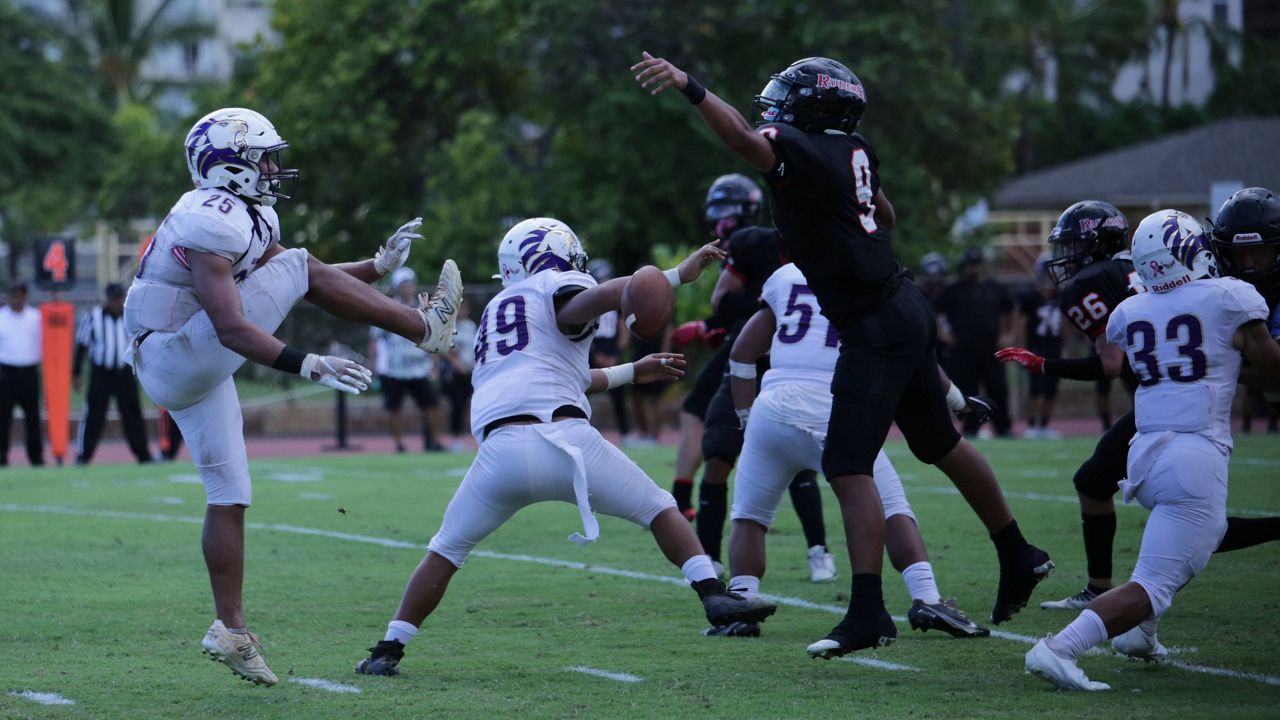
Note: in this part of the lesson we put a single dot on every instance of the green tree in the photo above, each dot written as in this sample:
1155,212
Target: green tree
53,134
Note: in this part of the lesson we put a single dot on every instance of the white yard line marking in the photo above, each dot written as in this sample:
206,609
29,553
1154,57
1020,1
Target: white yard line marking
552,562
1069,499
168,500
620,677
325,685
314,496
881,664
186,479
43,698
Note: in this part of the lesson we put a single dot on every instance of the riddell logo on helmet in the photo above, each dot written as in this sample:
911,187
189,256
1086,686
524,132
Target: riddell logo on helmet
826,81
1245,238
1162,287
1090,224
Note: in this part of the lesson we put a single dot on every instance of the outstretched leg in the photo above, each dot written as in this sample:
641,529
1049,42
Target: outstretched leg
345,297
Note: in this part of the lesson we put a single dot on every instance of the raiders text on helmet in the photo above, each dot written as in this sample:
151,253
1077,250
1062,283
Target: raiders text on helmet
814,94
535,245
1088,231
1246,236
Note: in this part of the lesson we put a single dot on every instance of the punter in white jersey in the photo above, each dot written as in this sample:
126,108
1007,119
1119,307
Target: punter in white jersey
529,414
1185,338
785,435
211,289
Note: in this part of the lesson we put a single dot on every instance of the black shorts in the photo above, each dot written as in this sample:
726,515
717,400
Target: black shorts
1045,386
394,390
706,383
722,433
1099,477
887,372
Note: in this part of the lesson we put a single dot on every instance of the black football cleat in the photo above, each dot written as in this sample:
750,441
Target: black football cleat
1018,578
944,616
854,634
384,659
725,607
736,629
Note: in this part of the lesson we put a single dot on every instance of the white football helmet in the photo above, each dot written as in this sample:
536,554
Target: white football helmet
535,245
1171,249
224,149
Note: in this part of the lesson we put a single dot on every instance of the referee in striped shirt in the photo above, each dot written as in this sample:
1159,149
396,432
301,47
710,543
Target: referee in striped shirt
101,336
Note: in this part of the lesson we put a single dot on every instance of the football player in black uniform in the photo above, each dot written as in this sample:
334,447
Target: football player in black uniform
1092,265
1246,238
834,221
733,206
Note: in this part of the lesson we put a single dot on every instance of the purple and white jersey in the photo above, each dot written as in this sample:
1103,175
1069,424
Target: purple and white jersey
1179,345
213,220
524,364
802,357
805,345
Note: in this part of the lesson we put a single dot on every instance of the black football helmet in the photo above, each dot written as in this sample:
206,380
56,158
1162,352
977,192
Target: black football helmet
814,94
733,201
1246,239
1087,231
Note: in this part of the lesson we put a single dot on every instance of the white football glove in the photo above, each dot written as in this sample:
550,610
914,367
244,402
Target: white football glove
337,373
395,252
743,414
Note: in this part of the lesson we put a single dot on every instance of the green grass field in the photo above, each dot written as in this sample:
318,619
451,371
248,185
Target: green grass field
104,599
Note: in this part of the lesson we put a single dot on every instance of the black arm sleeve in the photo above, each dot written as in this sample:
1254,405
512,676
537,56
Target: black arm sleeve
1089,368
732,308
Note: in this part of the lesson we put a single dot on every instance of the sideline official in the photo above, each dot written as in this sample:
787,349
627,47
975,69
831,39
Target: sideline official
101,336
20,355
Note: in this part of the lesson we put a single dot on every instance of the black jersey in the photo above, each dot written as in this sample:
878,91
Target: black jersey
1088,298
753,255
822,190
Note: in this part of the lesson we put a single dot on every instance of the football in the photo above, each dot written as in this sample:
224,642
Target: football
648,302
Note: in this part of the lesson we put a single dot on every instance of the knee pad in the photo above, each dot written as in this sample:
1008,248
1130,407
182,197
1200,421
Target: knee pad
929,448
1158,593
453,549
227,483
722,442
1092,480
652,506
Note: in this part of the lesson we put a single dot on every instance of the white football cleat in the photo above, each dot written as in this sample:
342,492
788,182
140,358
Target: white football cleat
1079,601
1048,665
822,567
440,310
240,652
1140,644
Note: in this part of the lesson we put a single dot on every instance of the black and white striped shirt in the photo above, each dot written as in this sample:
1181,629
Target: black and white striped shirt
103,338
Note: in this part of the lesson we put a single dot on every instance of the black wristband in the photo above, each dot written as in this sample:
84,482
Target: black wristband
1088,368
693,89
290,360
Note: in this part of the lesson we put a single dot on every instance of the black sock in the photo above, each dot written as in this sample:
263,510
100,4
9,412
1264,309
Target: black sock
1106,421
1009,541
682,491
1247,532
1099,535
712,506
806,496
866,599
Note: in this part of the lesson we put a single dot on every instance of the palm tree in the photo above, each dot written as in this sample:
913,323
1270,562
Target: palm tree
118,38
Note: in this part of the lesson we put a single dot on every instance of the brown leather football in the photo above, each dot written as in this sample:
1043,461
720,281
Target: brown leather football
648,302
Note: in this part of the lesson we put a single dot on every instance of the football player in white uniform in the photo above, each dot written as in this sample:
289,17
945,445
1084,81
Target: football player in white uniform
529,414
1185,337
786,433
211,289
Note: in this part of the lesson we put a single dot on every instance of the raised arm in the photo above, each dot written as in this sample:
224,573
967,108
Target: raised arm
590,304
657,74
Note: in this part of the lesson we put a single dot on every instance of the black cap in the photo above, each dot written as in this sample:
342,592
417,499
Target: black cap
115,291
972,256
17,286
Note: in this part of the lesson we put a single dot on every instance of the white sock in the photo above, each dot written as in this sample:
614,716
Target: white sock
400,631
698,568
745,585
1083,633
920,583
237,631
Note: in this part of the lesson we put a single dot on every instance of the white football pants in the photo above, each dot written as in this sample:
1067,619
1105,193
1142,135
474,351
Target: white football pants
1182,479
773,452
566,460
188,372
